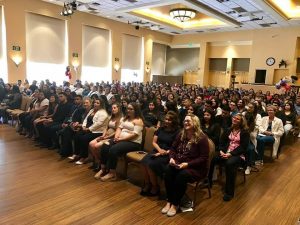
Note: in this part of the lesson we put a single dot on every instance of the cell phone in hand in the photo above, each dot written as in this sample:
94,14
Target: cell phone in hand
140,152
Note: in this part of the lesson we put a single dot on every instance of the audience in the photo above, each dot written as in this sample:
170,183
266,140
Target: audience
239,122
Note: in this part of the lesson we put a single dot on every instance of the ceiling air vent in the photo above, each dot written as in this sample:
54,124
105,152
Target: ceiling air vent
91,9
267,24
131,1
239,10
221,1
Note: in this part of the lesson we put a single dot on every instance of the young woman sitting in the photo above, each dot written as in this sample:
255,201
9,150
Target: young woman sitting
93,126
233,147
96,144
188,162
154,164
128,138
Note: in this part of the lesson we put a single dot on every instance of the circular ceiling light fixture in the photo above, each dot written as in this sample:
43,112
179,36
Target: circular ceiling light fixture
182,14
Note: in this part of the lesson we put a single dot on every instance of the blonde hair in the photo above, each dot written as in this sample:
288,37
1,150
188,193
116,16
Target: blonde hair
198,133
243,125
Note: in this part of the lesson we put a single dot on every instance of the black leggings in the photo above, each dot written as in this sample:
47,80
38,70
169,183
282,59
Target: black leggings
176,183
110,153
81,143
231,165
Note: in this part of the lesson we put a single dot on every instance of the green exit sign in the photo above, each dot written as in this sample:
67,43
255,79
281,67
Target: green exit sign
16,48
75,55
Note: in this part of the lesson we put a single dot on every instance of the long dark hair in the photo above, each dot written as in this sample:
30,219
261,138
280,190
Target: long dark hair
212,117
119,114
174,118
137,111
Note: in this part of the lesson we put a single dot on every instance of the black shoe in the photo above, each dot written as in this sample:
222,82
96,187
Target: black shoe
144,193
145,190
52,147
150,194
227,197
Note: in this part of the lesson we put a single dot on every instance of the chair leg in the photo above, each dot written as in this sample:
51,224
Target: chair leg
195,196
209,191
125,167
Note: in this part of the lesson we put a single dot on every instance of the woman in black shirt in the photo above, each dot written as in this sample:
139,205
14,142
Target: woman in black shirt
151,115
210,128
154,163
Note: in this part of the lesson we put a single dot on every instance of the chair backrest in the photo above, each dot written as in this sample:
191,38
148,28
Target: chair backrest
211,153
148,147
23,103
28,103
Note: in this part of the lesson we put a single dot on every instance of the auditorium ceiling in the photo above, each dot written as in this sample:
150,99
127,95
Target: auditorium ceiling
208,15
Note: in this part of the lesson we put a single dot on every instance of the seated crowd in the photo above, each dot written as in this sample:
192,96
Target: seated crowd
101,122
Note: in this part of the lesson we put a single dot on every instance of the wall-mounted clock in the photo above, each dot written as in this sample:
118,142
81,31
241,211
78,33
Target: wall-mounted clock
270,61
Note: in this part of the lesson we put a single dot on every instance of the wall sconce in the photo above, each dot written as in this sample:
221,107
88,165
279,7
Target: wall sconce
117,64
17,59
147,68
75,61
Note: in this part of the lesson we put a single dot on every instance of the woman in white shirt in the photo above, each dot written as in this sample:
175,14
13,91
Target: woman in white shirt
270,131
96,144
93,126
128,138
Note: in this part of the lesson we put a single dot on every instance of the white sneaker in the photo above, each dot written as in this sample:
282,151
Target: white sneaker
72,157
248,170
79,162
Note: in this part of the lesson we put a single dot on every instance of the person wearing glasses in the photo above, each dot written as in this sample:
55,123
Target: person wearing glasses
188,162
128,137
233,108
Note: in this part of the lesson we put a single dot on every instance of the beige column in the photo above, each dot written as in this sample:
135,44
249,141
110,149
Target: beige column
228,73
203,64
15,30
148,47
116,54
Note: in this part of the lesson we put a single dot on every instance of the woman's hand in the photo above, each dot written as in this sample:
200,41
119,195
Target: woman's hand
163,152
182,166
117,139
268,133
85,129
226,155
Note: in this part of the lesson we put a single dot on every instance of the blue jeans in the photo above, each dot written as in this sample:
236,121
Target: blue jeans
261,141
250,157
